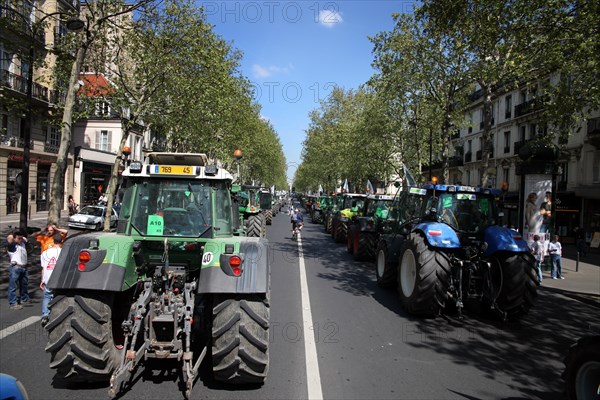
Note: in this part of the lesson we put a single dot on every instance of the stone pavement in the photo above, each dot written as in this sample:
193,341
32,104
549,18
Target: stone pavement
581,282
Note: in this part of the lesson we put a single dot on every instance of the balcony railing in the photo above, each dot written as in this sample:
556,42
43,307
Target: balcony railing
18,83
476,95
14,141
528,107
468,156
24,27
454,161
51,148
481,124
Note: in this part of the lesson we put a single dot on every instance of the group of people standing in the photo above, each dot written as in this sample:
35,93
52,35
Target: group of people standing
50,240
554,250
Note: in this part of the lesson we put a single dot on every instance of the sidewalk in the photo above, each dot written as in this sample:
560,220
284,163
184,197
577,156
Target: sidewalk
584,284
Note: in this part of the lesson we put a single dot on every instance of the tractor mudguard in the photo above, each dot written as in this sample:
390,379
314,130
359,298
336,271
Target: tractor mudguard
102,272
214,276
438,235
503,239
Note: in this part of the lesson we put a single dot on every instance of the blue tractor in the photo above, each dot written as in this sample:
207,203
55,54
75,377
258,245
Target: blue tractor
441,247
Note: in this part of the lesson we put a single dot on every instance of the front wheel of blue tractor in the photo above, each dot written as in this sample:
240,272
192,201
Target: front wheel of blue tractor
514,284
423,277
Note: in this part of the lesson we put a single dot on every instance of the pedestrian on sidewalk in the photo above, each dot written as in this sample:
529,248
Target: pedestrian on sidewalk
537,249
46,237
17,270
555,250
48,261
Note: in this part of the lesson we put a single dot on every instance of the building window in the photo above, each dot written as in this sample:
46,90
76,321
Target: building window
507,107
505,176
523,96
53,136
532,131
596,169
102,109
522,130
5,62
469,146
468,177
103,139
507,142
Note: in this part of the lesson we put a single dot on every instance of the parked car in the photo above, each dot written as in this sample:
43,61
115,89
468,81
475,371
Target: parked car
92,217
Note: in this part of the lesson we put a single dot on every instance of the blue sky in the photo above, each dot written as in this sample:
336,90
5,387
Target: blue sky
296,51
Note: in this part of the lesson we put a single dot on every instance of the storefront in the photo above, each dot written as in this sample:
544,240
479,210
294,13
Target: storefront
95,178
568,216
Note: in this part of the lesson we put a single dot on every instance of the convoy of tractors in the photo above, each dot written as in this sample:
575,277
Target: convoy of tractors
186,273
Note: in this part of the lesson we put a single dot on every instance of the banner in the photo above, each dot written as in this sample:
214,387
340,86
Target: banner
537,206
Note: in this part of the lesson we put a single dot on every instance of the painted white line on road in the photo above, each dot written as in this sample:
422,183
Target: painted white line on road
18,326
313,377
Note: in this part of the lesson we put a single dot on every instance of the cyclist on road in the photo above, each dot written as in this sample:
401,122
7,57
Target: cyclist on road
297,220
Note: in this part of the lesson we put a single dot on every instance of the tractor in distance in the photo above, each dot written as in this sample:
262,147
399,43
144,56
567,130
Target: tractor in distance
349,206
366,226
250,211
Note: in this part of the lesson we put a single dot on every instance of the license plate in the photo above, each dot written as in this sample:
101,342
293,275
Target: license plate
172,170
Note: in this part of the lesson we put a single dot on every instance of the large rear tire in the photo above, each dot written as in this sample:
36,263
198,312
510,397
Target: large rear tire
327,224
582,369
385,271
80,336
341,232
240,339
517,283
423,275
362,245
269,217
254,226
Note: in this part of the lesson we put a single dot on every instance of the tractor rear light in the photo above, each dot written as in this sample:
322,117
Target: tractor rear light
84,257
235,262
435,233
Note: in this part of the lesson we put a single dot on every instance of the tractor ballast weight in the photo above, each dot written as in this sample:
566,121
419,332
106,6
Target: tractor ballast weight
175,281
445,249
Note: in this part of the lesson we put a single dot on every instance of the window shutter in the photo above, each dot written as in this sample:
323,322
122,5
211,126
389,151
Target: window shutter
109,146
98,141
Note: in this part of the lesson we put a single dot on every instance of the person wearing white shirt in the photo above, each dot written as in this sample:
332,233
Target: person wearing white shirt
48,261
555,250
17,270
537,249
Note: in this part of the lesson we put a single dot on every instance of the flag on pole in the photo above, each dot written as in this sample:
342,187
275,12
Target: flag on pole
410,179
345,188
320,189
370,187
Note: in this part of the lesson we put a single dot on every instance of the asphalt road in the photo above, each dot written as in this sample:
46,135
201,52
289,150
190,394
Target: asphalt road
367,347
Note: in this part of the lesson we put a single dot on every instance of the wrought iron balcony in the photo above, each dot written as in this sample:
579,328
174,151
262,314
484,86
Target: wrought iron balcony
593,126
518,146
51,148
528,107
14,141
18,83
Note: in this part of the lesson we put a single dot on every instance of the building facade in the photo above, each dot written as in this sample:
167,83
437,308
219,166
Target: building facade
29,32
515,122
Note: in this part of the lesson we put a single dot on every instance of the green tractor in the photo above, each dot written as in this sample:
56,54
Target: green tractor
349,206
266,204
176,280
317,211
329,211
250,211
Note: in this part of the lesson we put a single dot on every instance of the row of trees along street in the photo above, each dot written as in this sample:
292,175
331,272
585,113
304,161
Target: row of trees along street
429,66
168,72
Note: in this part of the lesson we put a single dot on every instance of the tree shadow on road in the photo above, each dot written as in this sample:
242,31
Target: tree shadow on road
529,352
